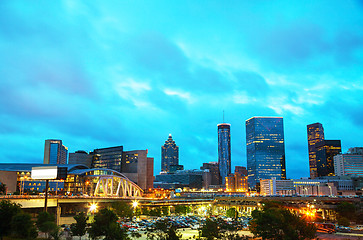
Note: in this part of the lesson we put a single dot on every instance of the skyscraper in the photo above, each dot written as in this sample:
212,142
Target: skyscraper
325,152
265,149
55,152
315,135
169,154
224,151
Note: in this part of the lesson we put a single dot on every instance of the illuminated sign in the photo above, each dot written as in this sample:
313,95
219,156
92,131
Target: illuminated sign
44,173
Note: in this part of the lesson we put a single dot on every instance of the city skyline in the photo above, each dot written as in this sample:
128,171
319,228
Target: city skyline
106,74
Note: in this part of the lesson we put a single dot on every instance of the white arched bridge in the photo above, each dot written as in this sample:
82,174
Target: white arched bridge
103,183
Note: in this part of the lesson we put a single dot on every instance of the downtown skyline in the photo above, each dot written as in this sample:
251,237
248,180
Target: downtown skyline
108,74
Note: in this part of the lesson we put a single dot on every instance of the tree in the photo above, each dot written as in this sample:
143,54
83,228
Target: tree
123,209
346,209
105,224
181,209
46,223
2,189
23,227
210,229
163,230
232,213
274,222
79,228
7,211
343,221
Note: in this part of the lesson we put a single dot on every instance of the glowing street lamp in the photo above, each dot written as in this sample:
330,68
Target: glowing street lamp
93,208
135,204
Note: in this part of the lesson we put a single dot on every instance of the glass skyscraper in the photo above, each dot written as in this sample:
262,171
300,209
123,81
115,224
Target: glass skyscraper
224,151
169,154
325,152
315,135
265,149
55,152
110,158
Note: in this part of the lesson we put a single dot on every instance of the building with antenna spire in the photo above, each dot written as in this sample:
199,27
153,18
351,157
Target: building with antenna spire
169,154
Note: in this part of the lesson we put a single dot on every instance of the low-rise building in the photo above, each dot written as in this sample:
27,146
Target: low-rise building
271,187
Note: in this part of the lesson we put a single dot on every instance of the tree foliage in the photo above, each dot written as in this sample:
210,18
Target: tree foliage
163,230
105,224
23,227
274,222
232,213
343,221
46,223
7,211
2,189
210,229
79,228
122,209
182,209
346,209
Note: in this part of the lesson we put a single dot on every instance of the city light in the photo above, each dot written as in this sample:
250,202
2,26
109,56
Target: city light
93,207
135,204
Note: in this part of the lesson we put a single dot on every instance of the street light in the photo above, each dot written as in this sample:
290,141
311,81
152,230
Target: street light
93,208
135,204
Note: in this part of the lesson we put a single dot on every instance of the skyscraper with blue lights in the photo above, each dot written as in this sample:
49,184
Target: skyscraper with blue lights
224,151
265,149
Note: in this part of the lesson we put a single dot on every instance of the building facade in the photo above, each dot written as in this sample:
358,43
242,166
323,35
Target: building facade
241,170
325,152
109,158
80,157
271,187
139,168
214,172
315,135
224,151
181,179
55,152
265,149
236,183
169,154
350,163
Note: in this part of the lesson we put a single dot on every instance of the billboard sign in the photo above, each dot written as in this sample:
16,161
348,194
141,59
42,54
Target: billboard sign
44,173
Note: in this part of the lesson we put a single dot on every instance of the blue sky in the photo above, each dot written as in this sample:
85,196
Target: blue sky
106,73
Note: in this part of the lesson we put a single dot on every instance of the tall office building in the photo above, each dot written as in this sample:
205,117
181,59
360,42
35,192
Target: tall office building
55,152
224,151
241,170
265,149
80,157
138,167
315,135
110,158
350,163
325,152
169,154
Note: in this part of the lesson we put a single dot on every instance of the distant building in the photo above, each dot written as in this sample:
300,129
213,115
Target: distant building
236,183
325,152
315,135
55,152
224,150
350,163
241,170
214,172
169,154
174,168
181,179
270,187
265,149
80,157
109,158
138,168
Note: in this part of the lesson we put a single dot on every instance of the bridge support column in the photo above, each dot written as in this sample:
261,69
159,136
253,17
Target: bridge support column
59,210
